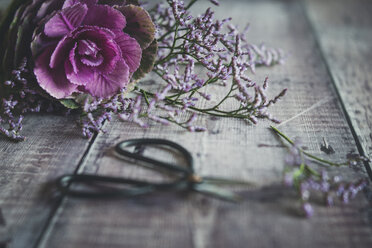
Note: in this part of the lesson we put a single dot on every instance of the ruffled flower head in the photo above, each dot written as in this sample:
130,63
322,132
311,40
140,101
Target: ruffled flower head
86,47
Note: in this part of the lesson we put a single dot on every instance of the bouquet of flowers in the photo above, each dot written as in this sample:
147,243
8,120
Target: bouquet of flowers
89,56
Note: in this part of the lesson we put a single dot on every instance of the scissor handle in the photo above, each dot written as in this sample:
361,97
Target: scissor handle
186,179
66,182
189,170
139,187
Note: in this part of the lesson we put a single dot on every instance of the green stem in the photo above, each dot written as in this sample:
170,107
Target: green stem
169,32
214,111
172,48
145,96
222,101
306,153
304,167
192,2
312,171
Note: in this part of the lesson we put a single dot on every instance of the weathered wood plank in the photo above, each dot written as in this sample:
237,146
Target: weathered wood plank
344,31
53,147
231,148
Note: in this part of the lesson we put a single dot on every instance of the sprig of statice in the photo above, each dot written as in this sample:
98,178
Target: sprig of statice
18,97
185,44
307,180
96,111
223,53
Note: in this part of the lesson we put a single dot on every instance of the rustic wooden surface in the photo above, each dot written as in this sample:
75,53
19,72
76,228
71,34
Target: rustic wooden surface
329,80
344,31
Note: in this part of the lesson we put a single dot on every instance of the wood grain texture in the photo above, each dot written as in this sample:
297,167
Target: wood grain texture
267,216
27,172
344,30
54,146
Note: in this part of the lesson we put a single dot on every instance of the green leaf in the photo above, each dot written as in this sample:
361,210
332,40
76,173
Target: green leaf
9,41
139,24
147,61
81,99
69,103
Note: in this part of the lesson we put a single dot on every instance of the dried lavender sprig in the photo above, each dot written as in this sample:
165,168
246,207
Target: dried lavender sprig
203,47
96,112
306,180
185,40
18,97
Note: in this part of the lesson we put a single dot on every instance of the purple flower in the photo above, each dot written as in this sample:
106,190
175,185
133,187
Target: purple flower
90,48
307,209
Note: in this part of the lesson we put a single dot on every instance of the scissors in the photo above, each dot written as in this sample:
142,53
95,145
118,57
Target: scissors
185,176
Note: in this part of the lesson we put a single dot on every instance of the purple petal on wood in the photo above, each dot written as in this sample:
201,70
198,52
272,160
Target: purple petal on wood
105,16
106,85
53,81
131,51
69,3
65,20
139,24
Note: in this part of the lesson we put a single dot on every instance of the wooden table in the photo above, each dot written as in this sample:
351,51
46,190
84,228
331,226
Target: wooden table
328,74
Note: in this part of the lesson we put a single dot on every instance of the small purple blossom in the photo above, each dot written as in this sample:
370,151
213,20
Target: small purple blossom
92,62
24,99
201,41
308,209
308,181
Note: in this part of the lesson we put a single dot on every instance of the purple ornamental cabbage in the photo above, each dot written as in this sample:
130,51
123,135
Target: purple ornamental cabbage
81,46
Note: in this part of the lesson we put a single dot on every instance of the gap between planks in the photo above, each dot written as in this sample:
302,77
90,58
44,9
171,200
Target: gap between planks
198,239
319,46
59,205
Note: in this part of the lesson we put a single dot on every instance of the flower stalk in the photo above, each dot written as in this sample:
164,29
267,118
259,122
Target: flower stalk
182,46
306,180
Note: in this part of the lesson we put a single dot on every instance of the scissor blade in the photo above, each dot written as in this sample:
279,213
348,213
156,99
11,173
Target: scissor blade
227,181
217,192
